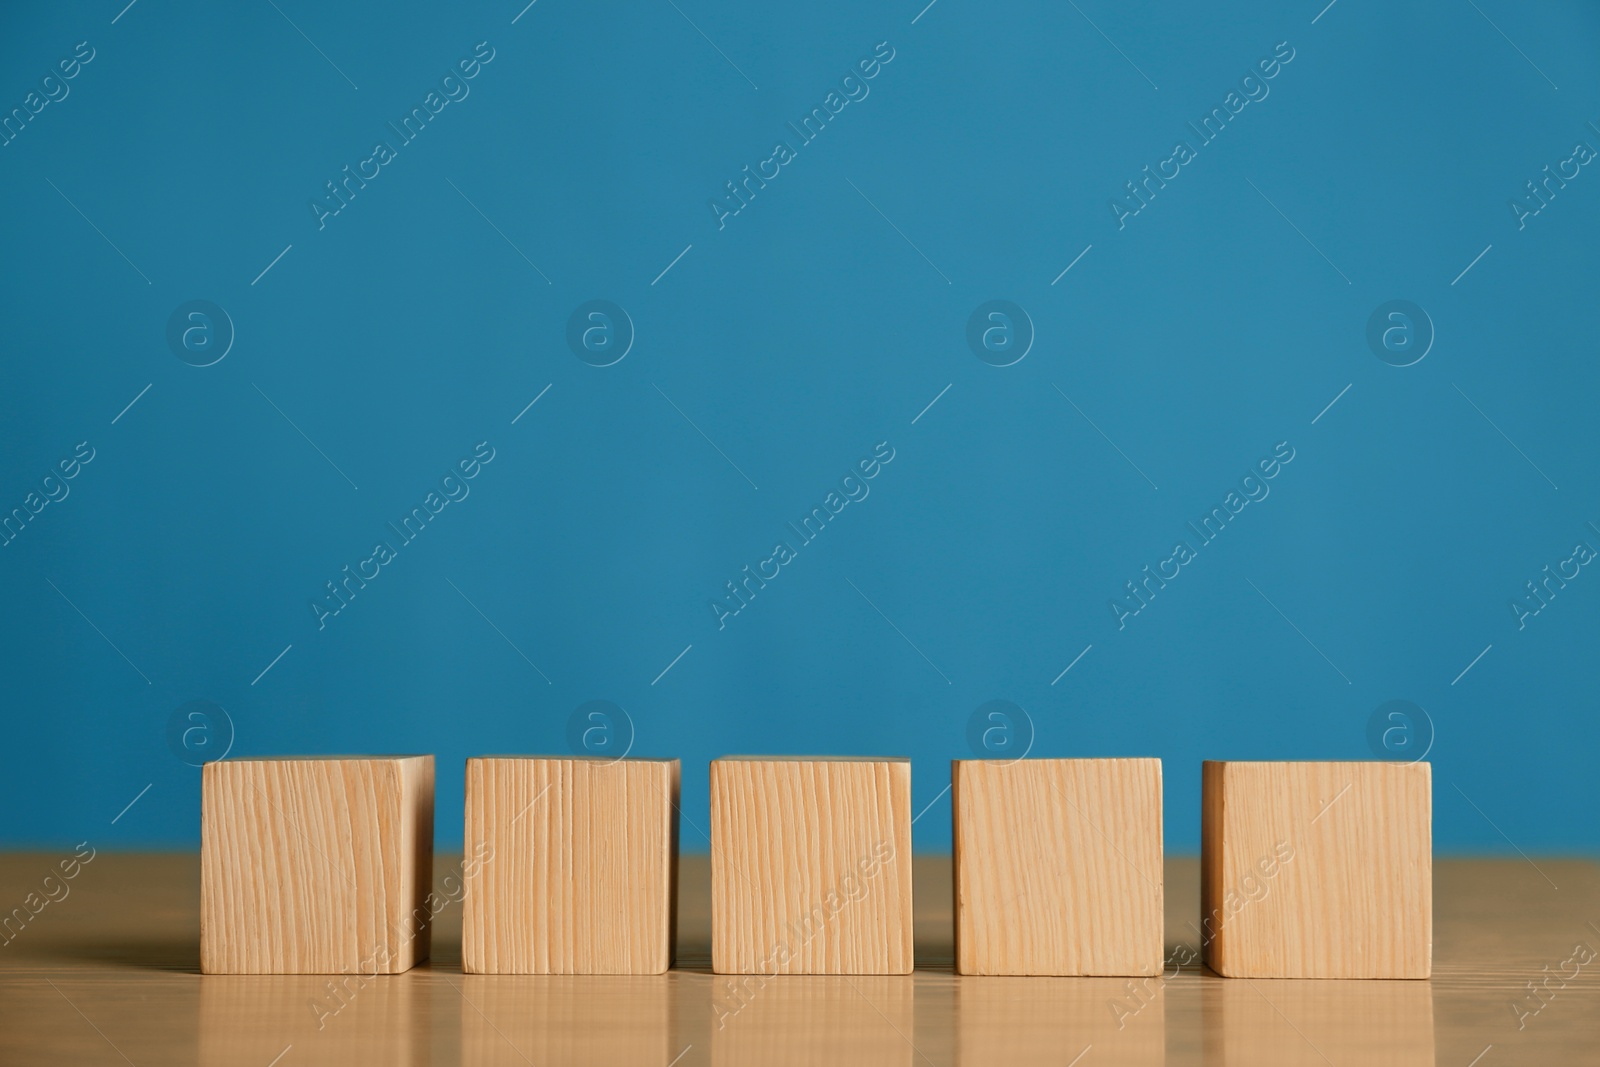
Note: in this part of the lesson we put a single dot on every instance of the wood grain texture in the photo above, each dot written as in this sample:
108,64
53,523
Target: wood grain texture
111,968
315,865
578,871
1057,866
1317,869
811,866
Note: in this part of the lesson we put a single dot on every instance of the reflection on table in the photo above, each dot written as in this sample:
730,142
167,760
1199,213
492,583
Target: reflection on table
1290,1022
110,975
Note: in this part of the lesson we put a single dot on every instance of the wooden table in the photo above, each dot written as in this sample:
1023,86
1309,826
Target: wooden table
108,974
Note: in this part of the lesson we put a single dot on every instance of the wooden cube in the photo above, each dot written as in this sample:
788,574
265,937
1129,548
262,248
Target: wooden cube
315,865
1057,866
810,865
577,863
1317,870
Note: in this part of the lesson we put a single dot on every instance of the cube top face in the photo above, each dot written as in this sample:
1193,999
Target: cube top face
319,865
393,758
565,758
811,866
1317,869
572,865
1058,866
812,759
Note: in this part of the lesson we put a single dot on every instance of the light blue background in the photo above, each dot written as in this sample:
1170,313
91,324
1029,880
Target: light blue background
797,338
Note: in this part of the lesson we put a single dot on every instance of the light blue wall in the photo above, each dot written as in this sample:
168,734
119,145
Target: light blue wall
774,350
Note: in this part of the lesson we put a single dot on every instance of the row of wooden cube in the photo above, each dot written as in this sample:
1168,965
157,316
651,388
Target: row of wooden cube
1319,869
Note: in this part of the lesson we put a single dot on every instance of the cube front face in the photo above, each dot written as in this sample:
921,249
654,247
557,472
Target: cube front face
811,866
1058,866
315,866
575,869
1317,870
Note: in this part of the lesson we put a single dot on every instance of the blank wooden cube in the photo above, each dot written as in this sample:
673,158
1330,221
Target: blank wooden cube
1317,870
316,865
810,865
1057,866
578,871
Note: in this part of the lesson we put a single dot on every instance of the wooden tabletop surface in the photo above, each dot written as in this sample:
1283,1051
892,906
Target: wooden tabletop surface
109,974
